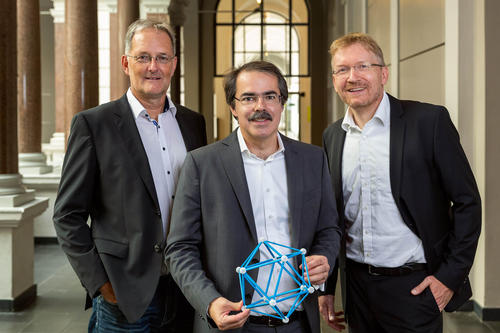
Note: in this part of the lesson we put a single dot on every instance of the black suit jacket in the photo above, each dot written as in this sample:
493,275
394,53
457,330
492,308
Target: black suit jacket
213,229
432,185
106,176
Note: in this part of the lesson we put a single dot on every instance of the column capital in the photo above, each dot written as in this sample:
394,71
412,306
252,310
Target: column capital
154,7
58,11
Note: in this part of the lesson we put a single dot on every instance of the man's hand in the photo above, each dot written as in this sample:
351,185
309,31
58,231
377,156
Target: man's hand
219,310
442,294
107,293
318,268
327,310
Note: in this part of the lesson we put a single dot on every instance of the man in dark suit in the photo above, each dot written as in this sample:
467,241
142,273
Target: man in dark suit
121,169
254,185
407,199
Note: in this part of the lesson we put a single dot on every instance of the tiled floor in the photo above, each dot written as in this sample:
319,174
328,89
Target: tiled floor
59,306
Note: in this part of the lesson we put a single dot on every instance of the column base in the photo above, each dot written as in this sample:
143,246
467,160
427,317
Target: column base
11,184
55,149
33,164
20,302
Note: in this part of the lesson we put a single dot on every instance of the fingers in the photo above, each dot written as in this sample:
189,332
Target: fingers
318,269
327,310
108,293
442,294
421,287
220,311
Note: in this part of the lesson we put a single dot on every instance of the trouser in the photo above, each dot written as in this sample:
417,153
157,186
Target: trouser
384,304
168,312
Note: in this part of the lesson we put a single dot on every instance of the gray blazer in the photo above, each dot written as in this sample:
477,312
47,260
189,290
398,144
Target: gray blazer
106,176
213,229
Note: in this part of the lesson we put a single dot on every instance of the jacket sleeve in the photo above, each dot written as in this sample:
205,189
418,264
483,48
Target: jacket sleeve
73,205
182,254
460,187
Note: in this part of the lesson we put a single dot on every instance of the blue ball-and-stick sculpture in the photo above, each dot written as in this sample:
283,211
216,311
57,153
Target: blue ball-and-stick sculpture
273,298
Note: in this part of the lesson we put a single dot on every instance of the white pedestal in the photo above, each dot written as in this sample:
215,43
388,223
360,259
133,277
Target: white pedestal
55,150
46,186
17,212
33,163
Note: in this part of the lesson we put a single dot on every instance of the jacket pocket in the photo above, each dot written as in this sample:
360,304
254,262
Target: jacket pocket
110,247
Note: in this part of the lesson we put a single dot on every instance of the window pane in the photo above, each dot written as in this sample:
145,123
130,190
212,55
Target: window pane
245,8
273,7
224,49
251,37
280,59
224,11
302,34
276,38
299,12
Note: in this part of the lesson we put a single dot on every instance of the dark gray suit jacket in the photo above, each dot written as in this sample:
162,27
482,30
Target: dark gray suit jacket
432,185
213,229
106,175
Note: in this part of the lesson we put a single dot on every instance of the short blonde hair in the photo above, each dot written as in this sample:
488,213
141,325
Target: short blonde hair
357,38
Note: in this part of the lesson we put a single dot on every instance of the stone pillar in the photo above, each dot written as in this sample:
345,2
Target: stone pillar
115,66
54,150
31,158
177,15
18,206
128,12
80,58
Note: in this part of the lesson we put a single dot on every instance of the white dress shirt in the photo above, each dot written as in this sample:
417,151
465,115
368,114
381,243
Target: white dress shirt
165,149
267,184
376,232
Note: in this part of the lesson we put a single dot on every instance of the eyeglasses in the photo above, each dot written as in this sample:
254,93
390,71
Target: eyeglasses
359,68
146,58
268,99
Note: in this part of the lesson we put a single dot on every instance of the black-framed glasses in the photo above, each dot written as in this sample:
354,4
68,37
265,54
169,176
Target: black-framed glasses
146,58
359,68
251,100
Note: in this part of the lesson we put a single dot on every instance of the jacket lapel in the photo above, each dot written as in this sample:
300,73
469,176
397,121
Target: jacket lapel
233,166
294,174
187,132
396,146
133,144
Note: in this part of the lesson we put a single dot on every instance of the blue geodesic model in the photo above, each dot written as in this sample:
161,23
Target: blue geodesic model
271,297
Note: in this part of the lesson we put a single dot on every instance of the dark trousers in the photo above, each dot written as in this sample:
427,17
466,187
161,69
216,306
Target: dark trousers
380,304
297,326
169,312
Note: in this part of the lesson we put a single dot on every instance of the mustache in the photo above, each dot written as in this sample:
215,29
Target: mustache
263,114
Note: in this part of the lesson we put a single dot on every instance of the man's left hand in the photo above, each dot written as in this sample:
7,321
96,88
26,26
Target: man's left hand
318,269
442,294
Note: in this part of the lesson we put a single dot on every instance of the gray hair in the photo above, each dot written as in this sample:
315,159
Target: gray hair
142,24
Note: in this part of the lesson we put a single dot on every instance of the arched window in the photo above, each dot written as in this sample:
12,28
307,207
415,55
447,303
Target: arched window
271,30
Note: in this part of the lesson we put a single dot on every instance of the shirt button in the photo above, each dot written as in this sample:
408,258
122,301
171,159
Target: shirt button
163,148
270,216
267,190
173,196
168,172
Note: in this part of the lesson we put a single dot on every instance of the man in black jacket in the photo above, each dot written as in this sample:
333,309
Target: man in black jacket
407,198
121,169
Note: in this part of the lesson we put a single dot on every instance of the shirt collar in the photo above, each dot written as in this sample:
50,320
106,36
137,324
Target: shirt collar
244,147
138,109
382,114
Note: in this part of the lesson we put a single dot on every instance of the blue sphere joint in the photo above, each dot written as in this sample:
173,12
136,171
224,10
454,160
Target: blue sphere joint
282,263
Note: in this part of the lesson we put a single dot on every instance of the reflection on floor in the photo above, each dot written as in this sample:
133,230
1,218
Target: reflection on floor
59,306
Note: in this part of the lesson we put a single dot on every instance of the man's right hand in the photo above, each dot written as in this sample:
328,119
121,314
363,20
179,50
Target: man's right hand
219,310
327,310
107,293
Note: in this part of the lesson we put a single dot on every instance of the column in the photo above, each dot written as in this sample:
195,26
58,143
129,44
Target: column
176,13
80,58
128,12
54,150
18,206
29,104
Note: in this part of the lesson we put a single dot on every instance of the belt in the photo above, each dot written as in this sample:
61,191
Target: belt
390,271
273,322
